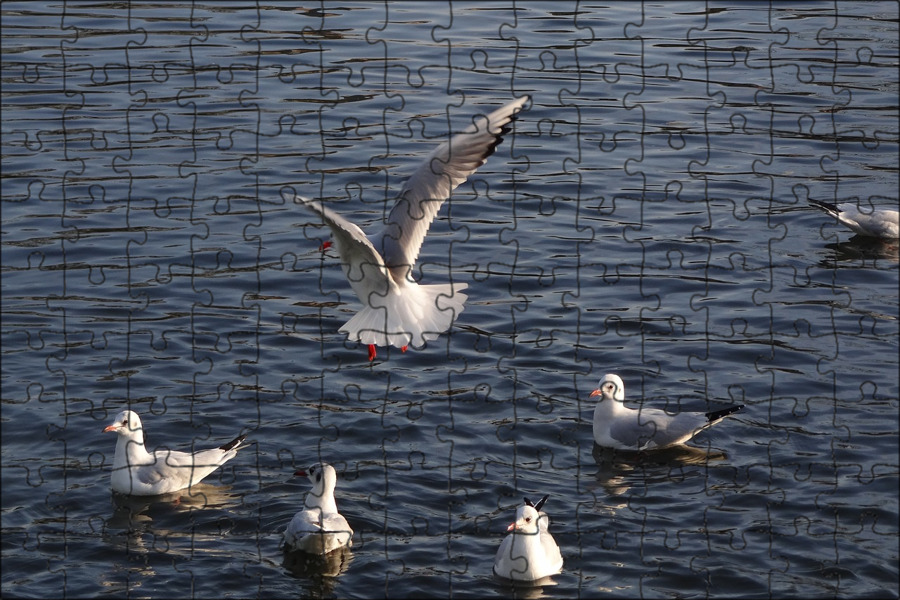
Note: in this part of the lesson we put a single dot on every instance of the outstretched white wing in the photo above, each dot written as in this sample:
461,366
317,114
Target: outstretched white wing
448,165
362,263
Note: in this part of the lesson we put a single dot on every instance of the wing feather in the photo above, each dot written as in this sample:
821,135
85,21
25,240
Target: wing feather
356,249
445,168
881,222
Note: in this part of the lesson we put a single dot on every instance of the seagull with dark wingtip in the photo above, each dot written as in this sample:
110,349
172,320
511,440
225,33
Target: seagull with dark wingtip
529,552
397,310
620,427
879,223
141,473
319,528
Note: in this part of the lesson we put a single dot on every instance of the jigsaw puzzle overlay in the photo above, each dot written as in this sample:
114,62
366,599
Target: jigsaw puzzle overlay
650,211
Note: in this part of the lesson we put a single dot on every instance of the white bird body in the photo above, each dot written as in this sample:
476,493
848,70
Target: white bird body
397,311
529,552
140,473
880,222
622,428
319,528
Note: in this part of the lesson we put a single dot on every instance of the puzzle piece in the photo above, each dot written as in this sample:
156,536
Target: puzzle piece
651,213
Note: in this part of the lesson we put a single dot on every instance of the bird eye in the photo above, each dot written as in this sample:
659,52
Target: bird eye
528,519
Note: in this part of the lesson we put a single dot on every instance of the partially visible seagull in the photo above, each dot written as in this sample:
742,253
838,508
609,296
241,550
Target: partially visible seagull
622,428
397,310
880,222
141,473
319,528
529,552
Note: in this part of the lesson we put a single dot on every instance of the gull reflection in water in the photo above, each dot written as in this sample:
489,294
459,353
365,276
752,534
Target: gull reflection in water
146,524
133,512
860,247
318,567
524,589
618,470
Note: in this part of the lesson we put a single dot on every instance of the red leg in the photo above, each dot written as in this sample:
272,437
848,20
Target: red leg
371,352
403,349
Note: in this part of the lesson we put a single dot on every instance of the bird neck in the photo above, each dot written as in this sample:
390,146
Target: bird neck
610,407
617,407
528,541
131,450
324,501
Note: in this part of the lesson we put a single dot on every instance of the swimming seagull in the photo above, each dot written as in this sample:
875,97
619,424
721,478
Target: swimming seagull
880,222
141,473
396,310
319,528
617,426
529,552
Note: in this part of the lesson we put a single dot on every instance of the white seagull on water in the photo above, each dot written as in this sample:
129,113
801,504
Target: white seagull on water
319,528
396,310
141,473
529,552
622,428
879,223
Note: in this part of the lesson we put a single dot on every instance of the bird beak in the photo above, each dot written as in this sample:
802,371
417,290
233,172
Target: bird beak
511,527
595,393
110,428
300,473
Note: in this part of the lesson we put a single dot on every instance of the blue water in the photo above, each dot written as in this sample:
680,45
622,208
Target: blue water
648,215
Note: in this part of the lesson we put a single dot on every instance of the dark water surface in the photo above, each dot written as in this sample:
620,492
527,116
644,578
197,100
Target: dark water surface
648,215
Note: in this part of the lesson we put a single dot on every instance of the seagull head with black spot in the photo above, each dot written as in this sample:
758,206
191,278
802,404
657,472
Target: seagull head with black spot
611,387
126,423
323,478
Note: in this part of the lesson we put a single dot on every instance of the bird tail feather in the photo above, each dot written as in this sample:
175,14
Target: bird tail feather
233,444
828,207
716,415
409,317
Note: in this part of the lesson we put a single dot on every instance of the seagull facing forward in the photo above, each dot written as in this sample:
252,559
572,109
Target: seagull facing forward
622,428
529,552
141,473
879,223
397,311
